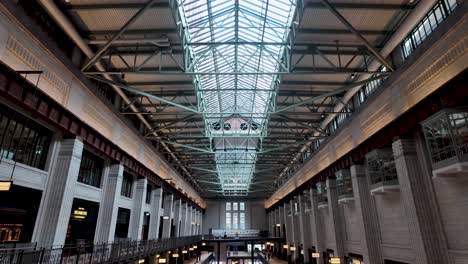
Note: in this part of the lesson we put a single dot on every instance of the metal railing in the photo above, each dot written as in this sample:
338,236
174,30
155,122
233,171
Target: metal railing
94,253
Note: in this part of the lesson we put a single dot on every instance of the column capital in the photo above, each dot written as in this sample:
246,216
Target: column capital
358,171
404,147
71,147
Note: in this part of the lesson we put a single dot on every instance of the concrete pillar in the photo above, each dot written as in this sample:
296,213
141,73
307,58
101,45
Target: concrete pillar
59,194
188,224
192,221
183,218
287,225
177,217
366,216
415,196
168,215
295,228
304,227
336,216
156,202
108,209
200,223
316,224
197,219
136,228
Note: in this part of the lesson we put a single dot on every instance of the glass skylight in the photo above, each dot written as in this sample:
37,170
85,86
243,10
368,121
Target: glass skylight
237,49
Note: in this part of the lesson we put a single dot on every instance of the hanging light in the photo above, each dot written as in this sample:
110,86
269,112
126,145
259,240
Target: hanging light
203,244
195,246
5,186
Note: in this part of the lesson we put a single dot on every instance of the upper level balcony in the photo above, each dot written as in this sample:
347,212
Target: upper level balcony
344,186
381,171
322,197
446,135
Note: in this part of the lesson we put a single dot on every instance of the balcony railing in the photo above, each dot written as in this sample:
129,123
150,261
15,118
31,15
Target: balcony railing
344,186
94,253
322,198
446,135
381,170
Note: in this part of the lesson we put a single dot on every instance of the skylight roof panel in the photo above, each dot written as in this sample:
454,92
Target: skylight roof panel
212,22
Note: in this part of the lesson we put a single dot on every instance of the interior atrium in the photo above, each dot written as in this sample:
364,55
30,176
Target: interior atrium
234,131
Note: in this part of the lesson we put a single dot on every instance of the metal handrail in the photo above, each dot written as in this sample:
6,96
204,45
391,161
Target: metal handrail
95,253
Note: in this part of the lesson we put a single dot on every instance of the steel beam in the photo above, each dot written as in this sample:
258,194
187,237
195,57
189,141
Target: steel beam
358,35
337,91
165,5
99,53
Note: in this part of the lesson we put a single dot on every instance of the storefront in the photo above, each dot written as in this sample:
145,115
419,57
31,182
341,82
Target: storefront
355,259
18,211
82,224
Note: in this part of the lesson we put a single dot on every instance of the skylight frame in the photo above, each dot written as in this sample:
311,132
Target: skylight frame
240,48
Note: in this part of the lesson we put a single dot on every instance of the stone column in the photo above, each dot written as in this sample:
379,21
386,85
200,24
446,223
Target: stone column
59,194
177,217
415,196
192,221
107,218
287,225
200,223
295,228
304,228
316,224
168,209
366,215
336,216
136,227
188,222
197,220
183,218
156,203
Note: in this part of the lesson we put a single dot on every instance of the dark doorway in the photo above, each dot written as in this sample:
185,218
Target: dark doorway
145,230
82,223
161,220
123,221
172,228
18,212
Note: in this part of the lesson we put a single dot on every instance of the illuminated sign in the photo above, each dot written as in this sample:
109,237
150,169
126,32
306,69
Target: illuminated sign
285,246
292,248
162,260
184,251
195,246
335,261
175,255
80,213
141,261
165,217
316,255
5,186
356,261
